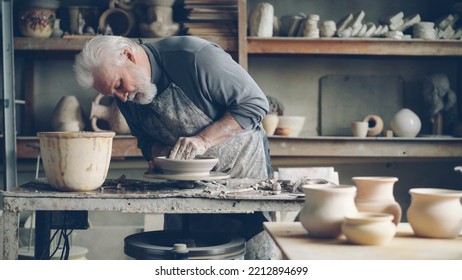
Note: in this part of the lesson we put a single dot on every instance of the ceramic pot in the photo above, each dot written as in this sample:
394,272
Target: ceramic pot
435,213
290,125
67,115
120,22
325,208
111,114
375,194
76,161
359,129
36,18
81,18
369,228
375,124
270,122
405,123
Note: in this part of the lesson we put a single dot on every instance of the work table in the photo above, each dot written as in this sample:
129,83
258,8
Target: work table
139,196
295,244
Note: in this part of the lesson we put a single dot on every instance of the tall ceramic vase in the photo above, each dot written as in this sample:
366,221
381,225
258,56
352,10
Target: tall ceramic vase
325,209
435,213
375,194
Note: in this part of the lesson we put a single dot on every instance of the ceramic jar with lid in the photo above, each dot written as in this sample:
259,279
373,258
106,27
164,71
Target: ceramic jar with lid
37,18
325,209
375,194
435,213
369,228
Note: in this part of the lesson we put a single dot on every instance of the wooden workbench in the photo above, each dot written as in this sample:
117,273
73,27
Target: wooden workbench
295,244
135,196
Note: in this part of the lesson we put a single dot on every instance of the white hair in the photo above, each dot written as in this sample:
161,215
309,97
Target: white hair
97,51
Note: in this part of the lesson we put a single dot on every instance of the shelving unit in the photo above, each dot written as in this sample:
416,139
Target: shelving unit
283,148
290,151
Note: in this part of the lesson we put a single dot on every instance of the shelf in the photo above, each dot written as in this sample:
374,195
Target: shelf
314,147
338,46
122,147
371,147
76,44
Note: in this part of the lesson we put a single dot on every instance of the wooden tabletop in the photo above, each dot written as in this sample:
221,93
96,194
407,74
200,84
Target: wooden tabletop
295,244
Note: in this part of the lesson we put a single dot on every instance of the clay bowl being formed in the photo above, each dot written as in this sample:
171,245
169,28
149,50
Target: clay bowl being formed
199,166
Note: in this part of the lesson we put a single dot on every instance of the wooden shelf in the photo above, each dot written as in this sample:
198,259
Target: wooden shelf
76,43
338,46
122,147
314,147
371,147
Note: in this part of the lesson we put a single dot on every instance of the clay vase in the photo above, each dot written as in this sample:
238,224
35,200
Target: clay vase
270,122
369,228
325,208
111,114
435,213
67,115
405,123
57,31
375,194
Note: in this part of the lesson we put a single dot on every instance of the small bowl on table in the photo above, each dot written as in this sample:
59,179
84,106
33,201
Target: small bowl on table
369,228
199,166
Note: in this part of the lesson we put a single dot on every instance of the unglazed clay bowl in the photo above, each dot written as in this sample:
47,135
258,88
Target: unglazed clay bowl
369,228
199,166
76,161
290,125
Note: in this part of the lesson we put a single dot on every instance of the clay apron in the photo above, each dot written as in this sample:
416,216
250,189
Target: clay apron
172,115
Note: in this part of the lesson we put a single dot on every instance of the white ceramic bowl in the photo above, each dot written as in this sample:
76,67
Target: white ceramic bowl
199,166
76,161
369,228
291,125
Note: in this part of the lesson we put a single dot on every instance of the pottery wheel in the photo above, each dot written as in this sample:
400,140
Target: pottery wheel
201,245
188,177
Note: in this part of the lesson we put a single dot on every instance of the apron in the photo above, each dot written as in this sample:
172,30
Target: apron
172,115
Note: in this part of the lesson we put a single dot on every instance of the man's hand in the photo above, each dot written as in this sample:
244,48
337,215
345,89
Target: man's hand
218,132
188,148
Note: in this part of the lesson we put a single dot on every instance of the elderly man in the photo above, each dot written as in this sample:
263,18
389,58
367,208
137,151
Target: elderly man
184,96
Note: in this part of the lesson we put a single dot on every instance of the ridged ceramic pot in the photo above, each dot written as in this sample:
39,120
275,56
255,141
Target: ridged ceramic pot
435,213
375,194
325,209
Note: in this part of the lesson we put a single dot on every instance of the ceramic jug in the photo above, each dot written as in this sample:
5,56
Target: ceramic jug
111,114
375,194
325,209
67,115
435,213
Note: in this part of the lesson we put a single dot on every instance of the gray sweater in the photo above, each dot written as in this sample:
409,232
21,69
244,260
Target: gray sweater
209,76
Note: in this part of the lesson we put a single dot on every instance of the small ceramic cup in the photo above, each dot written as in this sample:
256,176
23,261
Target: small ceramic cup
359,129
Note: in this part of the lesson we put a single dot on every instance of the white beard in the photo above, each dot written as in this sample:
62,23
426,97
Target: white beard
146,91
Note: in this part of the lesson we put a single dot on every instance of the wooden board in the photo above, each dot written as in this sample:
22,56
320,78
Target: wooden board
295,244
348,98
